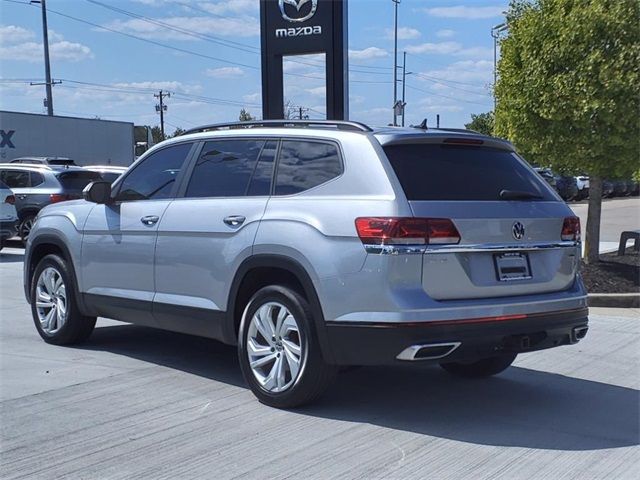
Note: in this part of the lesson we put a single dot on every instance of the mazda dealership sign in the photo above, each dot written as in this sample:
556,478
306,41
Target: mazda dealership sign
300,27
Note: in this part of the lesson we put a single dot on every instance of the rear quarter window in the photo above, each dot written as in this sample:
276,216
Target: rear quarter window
77,180
306,164
459,172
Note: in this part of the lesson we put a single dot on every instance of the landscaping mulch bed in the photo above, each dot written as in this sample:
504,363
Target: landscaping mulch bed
613,274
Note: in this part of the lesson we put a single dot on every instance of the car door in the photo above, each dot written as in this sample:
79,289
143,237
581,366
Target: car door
208,230
119,238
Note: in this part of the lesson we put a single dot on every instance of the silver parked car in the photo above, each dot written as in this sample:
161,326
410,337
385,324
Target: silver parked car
36,186
315,245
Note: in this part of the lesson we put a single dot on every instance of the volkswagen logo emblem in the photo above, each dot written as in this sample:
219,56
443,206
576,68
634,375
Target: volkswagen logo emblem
518,231
297,4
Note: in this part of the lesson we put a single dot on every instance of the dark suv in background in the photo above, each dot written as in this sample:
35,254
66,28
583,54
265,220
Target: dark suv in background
36,186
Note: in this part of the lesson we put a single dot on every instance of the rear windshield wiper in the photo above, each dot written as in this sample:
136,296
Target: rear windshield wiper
519,195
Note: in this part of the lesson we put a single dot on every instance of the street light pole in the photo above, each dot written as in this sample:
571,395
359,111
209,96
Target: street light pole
47,64
395,60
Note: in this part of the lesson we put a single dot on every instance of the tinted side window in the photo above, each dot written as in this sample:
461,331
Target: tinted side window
261,179
224,168
304,164
36,179
15,178
156,176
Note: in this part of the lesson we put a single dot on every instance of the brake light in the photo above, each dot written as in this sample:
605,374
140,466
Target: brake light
58,197
406,230
463,141
11,200
571,229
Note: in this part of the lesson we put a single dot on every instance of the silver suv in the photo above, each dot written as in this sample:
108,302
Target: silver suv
316,245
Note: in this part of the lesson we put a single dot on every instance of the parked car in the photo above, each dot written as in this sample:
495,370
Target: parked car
635,190
566,187
582,182
548,176
607,189
315,245
109,173
36,186
8,215
631,186
58,161
619,188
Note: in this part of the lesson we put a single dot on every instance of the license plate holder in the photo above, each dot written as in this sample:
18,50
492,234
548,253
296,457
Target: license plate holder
512,266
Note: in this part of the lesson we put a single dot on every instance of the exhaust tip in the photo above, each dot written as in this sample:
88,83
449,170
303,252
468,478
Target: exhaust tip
430,351
579,333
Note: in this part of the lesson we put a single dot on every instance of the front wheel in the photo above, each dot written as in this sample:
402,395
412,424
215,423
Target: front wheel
481,368
279,351
54,306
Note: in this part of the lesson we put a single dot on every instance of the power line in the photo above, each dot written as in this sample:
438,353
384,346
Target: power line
445,83
443,96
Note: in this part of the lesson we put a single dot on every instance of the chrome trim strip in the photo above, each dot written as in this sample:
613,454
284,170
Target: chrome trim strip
409,353
487,247
399,249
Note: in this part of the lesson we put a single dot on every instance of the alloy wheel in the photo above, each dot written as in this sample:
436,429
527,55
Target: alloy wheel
51,300
274,347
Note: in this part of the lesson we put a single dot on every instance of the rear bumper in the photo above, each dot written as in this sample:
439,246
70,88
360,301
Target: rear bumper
373,343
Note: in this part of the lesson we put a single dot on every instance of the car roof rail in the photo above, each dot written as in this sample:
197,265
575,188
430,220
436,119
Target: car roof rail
337,124
41,166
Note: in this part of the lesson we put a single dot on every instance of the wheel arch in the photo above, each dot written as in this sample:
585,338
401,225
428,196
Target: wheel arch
268,269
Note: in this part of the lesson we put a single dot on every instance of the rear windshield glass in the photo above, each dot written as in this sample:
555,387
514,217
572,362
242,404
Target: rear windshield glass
77,180
458,172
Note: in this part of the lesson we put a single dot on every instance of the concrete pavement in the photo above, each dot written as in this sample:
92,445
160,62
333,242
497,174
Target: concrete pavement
140,403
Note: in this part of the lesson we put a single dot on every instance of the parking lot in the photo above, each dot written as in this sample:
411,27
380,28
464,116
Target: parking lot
180,404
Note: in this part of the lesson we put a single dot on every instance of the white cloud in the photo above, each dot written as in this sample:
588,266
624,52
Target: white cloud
404,33
317,91
252,97
242,7
203,25
474,72
368,53
225,72
442,48
475,52
12,35
445,33
466,12
17,44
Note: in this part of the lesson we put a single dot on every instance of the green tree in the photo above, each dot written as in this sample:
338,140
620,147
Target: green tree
177,132
156,134
481,123
568,93
245,116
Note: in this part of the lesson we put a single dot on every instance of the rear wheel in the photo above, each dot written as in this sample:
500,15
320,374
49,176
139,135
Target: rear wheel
480,368
25,227
279,351
53,304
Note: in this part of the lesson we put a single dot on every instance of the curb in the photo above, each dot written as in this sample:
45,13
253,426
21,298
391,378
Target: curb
614,300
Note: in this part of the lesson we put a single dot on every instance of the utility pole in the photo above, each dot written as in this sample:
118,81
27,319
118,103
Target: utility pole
395,60
404,81
161,108
47,65
301,113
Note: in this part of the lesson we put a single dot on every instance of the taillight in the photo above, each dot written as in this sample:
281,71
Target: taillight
406,230
571,229
10,200
58,197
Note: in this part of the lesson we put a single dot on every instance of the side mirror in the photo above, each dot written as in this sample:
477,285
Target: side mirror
97,192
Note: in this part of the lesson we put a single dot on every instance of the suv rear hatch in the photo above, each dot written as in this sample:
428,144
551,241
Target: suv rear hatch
510,223
74,181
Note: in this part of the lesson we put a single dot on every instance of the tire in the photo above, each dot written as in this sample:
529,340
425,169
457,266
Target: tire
24,229
297,385
485,367
54,280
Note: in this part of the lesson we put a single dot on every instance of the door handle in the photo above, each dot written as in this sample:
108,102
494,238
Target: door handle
234,220
150,220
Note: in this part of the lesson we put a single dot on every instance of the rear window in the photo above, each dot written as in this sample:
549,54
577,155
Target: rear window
455,172
77,180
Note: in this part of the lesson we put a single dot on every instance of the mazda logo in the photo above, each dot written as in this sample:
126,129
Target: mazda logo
297,4
518,231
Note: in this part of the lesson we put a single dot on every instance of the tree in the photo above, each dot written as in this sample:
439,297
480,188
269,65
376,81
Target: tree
245,116
568,93
481,123
156,134
177,132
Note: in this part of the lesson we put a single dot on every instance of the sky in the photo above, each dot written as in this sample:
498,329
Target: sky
112,55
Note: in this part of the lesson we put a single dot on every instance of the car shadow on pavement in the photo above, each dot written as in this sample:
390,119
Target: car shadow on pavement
519,408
